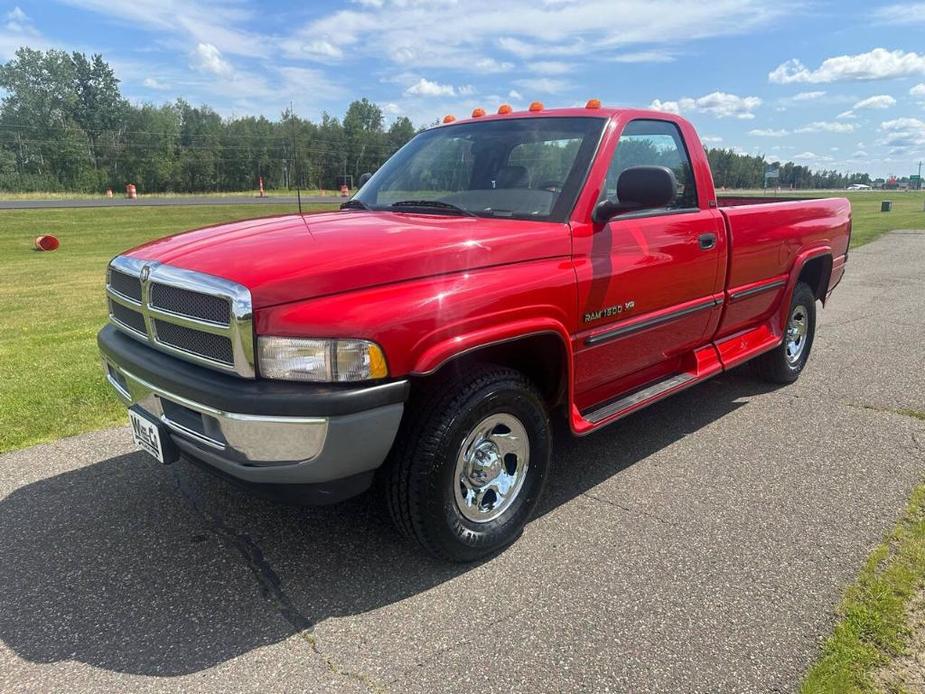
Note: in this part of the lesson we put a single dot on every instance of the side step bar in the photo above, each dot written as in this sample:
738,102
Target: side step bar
628,402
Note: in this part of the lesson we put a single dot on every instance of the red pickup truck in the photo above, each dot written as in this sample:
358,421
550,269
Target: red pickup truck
494,273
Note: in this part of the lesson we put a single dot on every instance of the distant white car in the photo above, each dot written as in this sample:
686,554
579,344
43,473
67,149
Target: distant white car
858,186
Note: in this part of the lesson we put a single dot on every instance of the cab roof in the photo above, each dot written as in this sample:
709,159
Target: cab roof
571,112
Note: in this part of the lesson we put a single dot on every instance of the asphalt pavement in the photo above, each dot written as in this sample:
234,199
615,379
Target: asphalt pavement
143,201
698,546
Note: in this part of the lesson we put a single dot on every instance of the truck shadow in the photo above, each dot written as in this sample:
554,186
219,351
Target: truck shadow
132,567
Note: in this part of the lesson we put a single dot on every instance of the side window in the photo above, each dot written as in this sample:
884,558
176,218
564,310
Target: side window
653,143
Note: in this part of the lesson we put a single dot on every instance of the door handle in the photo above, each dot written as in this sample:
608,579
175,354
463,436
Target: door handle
707,241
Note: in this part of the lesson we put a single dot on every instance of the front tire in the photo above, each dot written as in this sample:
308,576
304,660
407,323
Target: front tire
470,463
785,363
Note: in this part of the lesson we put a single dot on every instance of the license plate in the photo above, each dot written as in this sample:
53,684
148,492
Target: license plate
146,435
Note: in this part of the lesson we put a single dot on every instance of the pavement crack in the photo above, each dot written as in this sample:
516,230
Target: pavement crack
628,509
469,639
268,582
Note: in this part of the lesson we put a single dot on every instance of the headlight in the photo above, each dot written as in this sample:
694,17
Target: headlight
297,359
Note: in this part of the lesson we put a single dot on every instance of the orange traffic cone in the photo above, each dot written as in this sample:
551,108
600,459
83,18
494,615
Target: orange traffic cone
46,243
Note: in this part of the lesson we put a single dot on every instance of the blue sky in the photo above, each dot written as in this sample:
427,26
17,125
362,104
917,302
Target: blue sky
829,84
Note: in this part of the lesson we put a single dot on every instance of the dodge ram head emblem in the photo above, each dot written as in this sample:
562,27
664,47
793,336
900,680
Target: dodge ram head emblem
145,273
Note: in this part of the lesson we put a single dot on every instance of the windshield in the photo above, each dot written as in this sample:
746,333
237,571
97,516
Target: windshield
528,168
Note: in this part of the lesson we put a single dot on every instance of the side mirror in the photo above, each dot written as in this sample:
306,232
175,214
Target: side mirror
639,188
365,177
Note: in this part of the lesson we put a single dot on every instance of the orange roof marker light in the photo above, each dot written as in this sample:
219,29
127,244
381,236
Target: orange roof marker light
593,103
449,118
504,108
536,106
478,112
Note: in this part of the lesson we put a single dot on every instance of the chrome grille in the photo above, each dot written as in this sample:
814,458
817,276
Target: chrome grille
127,316
214,309
197,317
126,285
209,345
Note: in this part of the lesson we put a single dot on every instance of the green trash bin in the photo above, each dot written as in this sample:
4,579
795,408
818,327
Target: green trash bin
886,206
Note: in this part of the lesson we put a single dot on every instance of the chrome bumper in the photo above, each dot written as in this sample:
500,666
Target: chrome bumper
260,448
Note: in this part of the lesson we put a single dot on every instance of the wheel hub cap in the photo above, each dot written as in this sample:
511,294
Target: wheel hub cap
797,328
490,467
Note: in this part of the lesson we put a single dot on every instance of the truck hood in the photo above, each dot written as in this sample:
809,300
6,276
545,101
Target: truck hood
296,257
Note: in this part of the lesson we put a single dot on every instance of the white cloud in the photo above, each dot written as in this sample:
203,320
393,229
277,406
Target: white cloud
208,58
918,91
826,127
644,57
213,22
550,67
807,96
811,157
424,87
903,135
543,85
154,83
16,19
904,13
711,139
880,101
318,49
492,65
769,133
846,115
18,30
873,65
860,154
717,104
526,29
514,94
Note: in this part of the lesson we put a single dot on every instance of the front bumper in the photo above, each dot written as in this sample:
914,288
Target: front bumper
258,431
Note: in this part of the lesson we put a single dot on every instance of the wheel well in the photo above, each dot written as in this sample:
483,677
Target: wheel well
816,273
541,358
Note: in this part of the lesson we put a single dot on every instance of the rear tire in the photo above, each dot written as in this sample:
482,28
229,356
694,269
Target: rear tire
785,363
470,463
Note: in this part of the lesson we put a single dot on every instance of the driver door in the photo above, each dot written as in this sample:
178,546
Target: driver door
646,288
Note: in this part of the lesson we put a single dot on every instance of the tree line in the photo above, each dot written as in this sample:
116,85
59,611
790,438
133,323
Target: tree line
65,126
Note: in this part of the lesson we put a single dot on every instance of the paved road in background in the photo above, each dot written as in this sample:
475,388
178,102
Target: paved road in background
698,546
154,202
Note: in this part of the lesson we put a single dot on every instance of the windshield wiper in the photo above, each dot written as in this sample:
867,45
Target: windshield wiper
434,204
355,204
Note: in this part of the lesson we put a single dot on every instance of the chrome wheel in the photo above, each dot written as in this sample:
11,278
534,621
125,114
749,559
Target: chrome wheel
797,328
491,467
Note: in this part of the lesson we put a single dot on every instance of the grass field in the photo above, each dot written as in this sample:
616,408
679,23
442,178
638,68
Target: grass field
247,194
52,304
878,615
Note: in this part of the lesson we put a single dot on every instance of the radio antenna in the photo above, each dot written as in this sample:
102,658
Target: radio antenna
298,193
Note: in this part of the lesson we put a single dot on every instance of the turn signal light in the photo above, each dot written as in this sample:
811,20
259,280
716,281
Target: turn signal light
478,112
449,118
593,103
536,106
504,108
